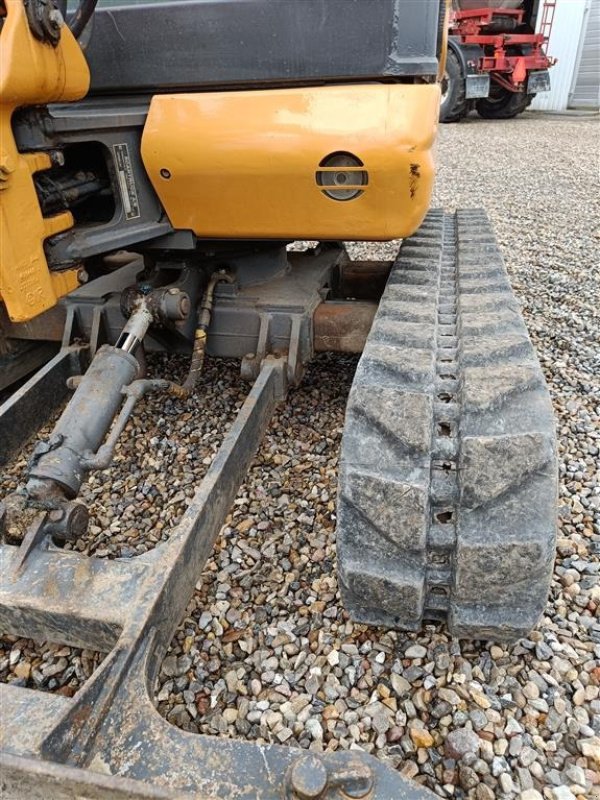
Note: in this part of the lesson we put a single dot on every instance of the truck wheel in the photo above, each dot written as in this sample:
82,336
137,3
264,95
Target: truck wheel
503,104
454,105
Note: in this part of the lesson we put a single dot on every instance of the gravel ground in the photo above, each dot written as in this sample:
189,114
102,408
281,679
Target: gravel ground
266,651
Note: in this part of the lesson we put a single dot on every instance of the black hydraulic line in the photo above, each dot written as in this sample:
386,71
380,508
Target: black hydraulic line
202,326
183,390
81,17
197,361
58,194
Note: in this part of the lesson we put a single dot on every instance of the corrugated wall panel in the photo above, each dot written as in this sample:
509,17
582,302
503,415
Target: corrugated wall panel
564,45
586,90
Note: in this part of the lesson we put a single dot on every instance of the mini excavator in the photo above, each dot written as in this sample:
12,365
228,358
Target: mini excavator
156,161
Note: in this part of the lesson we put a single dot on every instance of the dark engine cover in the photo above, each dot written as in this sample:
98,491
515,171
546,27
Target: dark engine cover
166,46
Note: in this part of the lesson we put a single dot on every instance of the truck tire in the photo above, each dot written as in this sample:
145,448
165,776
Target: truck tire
454,105
503,104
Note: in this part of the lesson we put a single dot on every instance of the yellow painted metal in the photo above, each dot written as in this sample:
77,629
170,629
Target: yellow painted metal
244,164
31,72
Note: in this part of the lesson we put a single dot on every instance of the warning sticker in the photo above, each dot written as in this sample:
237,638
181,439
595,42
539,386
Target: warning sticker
129,196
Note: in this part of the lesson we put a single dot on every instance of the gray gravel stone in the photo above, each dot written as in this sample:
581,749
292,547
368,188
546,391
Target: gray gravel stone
415,651
562,793
460,742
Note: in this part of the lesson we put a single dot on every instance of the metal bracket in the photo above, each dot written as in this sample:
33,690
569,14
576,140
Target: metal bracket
252,362
28,408
74,330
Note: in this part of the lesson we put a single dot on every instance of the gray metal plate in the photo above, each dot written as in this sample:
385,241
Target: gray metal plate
538,81
477,86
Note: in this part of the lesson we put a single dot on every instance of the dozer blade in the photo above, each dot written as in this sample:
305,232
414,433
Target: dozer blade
448,485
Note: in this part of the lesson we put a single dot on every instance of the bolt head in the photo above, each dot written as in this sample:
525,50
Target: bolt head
7,163
55,18
360,789
356,778
308,779
77,522
186,305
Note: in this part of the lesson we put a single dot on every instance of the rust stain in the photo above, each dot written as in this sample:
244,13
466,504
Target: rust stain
413,181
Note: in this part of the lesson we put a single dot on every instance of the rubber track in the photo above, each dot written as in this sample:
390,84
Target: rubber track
448,479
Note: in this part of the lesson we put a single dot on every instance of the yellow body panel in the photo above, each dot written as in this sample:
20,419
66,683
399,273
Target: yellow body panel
31,72
244,164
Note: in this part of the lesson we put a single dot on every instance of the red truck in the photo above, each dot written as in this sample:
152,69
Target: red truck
496,61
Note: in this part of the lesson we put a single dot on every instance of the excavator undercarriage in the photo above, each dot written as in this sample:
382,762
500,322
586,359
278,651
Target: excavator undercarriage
156,214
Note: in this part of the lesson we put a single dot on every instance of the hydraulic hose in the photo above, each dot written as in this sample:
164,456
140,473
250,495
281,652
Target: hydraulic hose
199,349
81,17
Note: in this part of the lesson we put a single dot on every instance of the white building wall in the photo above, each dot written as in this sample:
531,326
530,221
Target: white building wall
564,45
585,92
